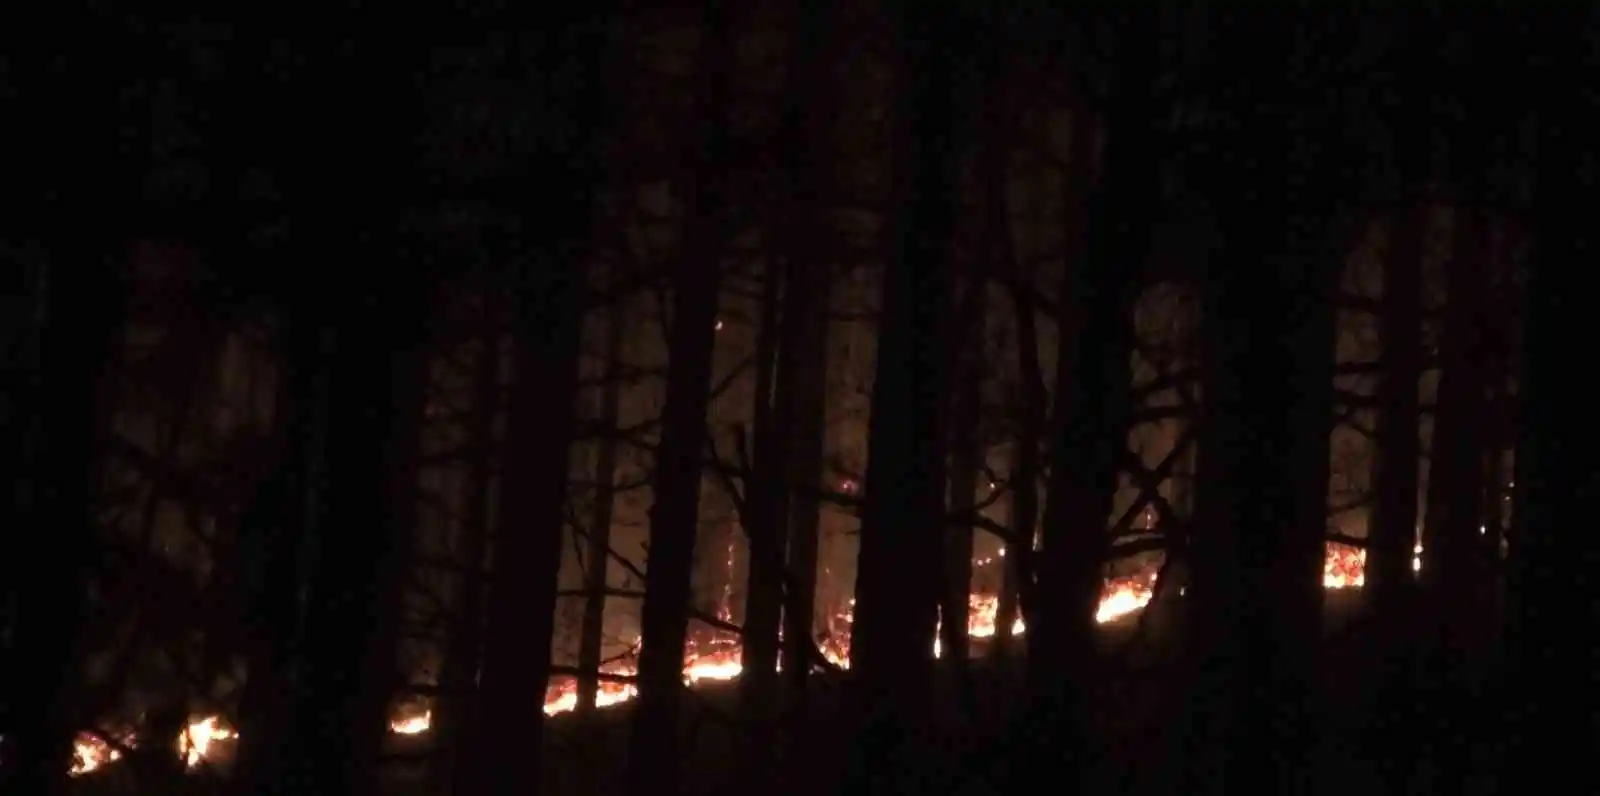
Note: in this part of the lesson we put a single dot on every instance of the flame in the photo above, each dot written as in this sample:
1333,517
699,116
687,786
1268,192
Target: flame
195,744
1343,568
90,753
412,725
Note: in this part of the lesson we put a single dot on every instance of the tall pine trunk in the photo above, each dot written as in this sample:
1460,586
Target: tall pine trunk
371,340
453,710
806,131
765,519
78,309
597,561
1092,387
1555,622
548,291
654,765
273,530
966,457
1390,582
897,570
1452,576
1025,470
1261,507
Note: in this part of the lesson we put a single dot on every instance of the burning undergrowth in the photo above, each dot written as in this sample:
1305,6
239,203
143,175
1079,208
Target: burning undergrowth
210,738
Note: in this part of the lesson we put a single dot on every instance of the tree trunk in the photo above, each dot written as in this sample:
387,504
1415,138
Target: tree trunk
1024,472
654,764
807,389
1390,581
806,130
966,456
1453,577
1092,397
1395,481
1256,592
455,709
598,561
549,292
804,363
765,519
1555,627
373,399
273,530
898,564
371,340
78,311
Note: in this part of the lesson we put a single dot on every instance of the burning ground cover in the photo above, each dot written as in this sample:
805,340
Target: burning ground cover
717,661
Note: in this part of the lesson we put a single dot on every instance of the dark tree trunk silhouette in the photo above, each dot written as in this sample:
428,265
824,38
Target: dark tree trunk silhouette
548,291
1261,511
897,570
765,519
1554,620
1091,401
1390,583
1452,576
966,452
967,349
368,454
597,559
370,341
965,402
807,344
453,710
73,244
1393,528
1025,471
1000,251
654,765
806,135
273,531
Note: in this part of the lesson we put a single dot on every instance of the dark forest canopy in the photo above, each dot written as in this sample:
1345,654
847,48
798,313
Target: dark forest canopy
868,398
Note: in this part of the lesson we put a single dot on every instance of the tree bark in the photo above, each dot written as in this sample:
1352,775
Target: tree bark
1256,592
273,531
78,305
455,708
966,455
1453,577
549,291
1024,473
1390,582
1555,623
654,765
1092,396
898,564
765,519
598,560
807,132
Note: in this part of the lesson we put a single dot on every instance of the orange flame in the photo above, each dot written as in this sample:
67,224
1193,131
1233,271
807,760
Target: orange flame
1343,568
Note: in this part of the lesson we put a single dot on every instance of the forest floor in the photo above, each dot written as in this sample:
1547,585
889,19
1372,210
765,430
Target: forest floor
1133,703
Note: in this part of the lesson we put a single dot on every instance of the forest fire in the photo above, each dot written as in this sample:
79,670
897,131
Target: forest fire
196,742
1123,596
